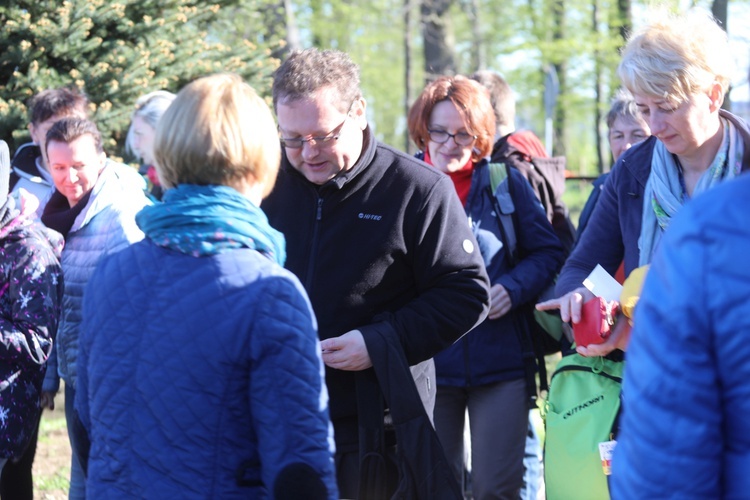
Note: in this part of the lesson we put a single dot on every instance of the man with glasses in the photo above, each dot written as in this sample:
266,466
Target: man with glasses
383,247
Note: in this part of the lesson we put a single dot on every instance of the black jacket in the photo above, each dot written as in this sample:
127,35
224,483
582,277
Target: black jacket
383,246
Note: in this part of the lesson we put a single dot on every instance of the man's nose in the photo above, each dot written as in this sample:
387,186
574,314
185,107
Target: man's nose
309,150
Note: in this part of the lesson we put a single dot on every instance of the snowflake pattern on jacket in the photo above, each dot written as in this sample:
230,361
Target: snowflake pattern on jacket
30,296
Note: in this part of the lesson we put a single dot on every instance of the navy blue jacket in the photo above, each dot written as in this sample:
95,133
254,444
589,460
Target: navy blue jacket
216,391
492,351
615,225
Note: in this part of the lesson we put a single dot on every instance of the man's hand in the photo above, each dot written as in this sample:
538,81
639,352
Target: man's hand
499,302
47,400
347,352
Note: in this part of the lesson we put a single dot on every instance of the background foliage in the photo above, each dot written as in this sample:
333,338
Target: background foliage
119,50
115,51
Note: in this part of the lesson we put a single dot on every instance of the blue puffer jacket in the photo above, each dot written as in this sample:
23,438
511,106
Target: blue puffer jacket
106,225
685,427
492,351
216,388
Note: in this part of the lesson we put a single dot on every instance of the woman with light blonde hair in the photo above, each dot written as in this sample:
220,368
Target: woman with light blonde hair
198,330
140,139
677,68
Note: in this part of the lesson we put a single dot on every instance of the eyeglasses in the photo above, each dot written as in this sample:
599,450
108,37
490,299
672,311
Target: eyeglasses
461,138
333,135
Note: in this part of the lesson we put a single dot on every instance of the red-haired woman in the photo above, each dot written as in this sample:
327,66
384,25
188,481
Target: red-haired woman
453,123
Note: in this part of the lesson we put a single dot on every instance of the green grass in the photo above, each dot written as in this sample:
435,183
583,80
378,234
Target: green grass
51,423
56,482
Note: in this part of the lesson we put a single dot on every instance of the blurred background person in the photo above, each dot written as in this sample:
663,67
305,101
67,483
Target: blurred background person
29,166
452,121
140,140
678,69
30,297
522,150
200,373
626,128
93,207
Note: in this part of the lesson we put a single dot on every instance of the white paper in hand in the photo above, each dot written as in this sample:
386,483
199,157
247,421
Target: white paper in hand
602,284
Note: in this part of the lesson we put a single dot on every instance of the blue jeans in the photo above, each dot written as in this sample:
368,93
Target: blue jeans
77,489
532,461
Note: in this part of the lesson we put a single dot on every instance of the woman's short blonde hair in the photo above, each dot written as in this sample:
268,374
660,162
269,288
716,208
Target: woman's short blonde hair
217,131
676,56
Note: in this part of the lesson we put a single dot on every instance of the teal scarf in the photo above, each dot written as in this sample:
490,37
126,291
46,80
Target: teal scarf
206,220
663,196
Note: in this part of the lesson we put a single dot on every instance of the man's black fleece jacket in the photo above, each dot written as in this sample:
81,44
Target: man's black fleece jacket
384,245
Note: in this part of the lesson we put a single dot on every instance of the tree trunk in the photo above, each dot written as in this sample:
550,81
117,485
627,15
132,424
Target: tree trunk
558,16
598,89
625,12
478,59
279,18
719,9
408,91
438,46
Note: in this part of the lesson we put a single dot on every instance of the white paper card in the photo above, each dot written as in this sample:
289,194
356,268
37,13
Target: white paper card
602,284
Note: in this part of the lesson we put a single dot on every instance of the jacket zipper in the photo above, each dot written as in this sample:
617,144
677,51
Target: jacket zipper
314,242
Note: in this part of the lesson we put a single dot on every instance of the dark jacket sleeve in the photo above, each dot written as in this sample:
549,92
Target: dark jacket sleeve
588,208
539,249
452,295
601,243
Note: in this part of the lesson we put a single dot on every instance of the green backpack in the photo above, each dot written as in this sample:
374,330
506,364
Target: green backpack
580,412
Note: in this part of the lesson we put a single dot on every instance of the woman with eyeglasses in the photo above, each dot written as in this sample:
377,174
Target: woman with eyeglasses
452,121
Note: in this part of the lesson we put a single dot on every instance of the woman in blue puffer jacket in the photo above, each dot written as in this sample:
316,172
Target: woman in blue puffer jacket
200,373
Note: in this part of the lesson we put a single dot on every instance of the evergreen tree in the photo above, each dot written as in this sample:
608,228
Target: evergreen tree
116,51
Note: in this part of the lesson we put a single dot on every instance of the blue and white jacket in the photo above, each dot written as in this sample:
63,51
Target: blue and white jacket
105,226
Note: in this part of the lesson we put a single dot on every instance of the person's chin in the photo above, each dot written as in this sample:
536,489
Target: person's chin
317,174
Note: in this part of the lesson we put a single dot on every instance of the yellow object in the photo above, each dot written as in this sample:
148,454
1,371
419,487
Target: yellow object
631,290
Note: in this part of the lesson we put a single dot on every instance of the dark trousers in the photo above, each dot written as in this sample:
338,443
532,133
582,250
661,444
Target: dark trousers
348,473
498,417
16,482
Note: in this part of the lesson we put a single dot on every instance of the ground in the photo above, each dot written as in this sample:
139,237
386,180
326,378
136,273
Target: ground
52,462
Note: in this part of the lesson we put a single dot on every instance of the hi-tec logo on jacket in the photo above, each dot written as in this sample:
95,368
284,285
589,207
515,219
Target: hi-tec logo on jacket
369,216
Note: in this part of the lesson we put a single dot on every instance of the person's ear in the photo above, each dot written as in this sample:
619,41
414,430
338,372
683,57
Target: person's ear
716,96
32,133
359,114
